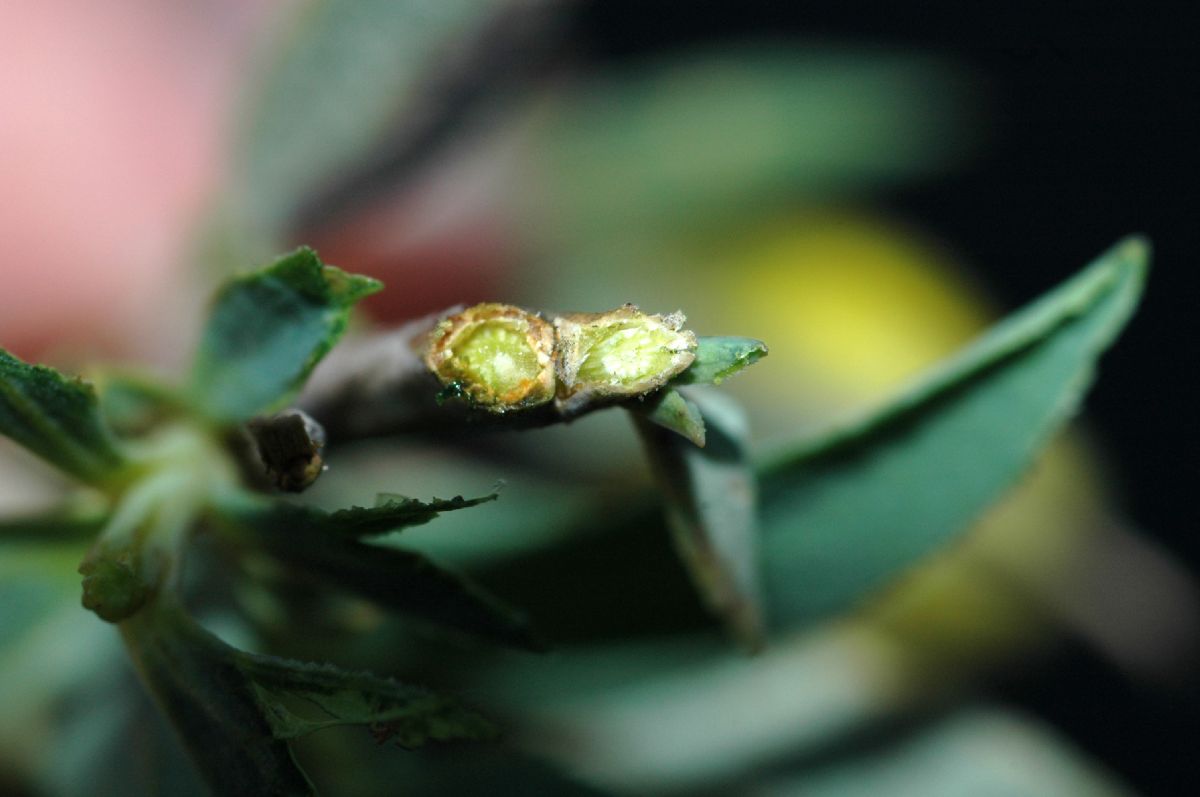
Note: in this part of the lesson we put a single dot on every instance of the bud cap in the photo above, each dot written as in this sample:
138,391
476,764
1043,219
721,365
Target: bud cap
623,353
497,356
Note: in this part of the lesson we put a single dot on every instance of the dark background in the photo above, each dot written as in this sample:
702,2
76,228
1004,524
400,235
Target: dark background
1092,135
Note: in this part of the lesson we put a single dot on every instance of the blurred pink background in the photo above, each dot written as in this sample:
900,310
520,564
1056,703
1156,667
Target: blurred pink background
111,143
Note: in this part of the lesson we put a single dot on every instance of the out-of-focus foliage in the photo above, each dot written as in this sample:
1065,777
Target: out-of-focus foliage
686,180
980,750
938,454
55,418
711,507
269,330
727,132
341,70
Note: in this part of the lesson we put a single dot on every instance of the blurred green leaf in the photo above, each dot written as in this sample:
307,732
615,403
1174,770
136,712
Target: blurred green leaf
391,513
538,507
343,75
109,737
978,750
670,410
56,418
196,680
268,330
133,402
679,140
710,506
847,512
398,579
409,715
683,715
718,358
43,633
35,580
73,522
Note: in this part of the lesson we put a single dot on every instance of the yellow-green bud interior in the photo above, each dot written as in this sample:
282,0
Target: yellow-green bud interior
496,355
626,352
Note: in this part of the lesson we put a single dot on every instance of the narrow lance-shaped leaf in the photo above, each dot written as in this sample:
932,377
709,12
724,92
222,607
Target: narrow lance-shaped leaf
212,704
710,498
670,410
74,522
298,698
235,710
397,579
395,512
851,510
56,418
980,749
268,330
391,513
718,358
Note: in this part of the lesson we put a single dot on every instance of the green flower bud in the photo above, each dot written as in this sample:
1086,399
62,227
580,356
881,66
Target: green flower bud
497,356
113,588
619,354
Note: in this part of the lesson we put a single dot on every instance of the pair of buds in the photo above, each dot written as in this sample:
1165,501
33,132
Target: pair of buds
502,358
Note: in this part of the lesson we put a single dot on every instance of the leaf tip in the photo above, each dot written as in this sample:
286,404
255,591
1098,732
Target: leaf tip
1135,251
304,269
755,350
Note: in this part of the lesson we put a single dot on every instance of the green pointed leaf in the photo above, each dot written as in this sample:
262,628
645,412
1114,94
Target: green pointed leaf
850,511
981,749
56,418
718,358
215,709
298,698
390,513
670,410
345,73
268,330
411,584
398,579
710,505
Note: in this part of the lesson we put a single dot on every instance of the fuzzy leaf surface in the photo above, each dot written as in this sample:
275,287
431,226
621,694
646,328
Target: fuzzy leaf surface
390,513
402,580
268,330
298,698
848,512
213,706
718,358
710,496
57,418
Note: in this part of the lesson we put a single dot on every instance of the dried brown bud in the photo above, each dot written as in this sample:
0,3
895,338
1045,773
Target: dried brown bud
289,445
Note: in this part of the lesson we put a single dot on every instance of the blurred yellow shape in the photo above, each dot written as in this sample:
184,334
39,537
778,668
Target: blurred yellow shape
856,305
853,308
